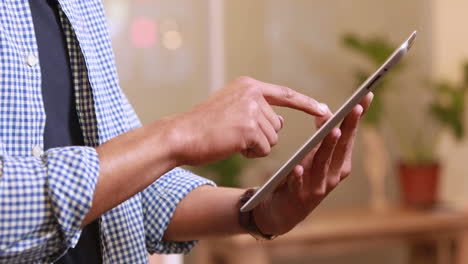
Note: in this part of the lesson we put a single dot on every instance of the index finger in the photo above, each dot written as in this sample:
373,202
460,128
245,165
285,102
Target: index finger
287,97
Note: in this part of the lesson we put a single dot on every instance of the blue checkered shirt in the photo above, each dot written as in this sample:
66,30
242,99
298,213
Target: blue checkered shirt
44,196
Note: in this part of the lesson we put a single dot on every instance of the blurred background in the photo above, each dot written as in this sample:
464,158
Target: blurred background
406,199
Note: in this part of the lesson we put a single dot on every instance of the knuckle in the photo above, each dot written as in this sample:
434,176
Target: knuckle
320,191
333,182
278,126
250,127
245,79
345,173
287,92
312,102
274,140
253,108
265,151
346,170
252,90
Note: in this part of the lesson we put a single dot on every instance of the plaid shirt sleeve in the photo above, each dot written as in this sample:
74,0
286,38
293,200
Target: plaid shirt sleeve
160,200
132,117
43,202
159,203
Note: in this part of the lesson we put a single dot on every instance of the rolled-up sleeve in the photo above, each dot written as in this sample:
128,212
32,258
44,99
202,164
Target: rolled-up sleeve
43,201
160,200
159,203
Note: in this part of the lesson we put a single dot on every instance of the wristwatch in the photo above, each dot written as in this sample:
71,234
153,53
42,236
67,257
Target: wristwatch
247,219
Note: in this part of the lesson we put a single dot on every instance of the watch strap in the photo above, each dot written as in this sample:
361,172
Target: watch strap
247,219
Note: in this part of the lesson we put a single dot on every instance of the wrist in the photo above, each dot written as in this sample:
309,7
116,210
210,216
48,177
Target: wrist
171,138
263,219
248,221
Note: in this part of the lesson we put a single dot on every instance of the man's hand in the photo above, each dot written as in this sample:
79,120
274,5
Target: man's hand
219,127
237,118
310,182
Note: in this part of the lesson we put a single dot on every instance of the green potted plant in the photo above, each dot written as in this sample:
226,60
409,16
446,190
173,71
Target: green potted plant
376,50
226,172
418,165
420,170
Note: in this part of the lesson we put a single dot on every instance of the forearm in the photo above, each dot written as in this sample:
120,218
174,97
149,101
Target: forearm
205,212
131,162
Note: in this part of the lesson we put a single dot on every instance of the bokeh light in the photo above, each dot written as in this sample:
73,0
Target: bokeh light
172,40
143,32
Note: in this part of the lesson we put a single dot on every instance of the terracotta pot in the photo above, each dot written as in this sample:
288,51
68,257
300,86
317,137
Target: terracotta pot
419,184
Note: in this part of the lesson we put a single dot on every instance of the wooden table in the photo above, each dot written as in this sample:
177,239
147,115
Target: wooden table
335,232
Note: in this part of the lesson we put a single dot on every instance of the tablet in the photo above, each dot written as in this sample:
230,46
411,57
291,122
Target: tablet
321,133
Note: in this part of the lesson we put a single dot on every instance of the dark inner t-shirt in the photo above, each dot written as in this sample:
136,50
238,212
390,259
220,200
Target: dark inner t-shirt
62,126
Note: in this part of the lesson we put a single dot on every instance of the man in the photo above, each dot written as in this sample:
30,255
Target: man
83,182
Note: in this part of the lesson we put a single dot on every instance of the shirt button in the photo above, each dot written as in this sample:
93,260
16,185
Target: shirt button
31,60
37,151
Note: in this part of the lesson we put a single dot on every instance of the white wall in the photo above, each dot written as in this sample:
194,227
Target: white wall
450,50
450,37
159,81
